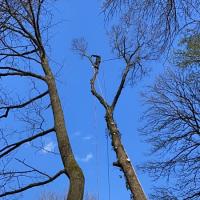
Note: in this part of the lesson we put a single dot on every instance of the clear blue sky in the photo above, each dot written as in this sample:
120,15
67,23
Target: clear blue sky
84,115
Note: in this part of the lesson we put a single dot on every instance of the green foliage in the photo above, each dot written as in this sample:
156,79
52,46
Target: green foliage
189,55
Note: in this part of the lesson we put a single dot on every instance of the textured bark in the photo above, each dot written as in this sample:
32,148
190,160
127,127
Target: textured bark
72,169
123,162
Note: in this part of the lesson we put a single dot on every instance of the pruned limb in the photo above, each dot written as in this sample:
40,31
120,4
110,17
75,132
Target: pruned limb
94,92
4,151
52,178
116,164
80,46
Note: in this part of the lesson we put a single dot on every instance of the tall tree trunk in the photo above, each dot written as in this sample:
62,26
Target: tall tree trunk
123,161
73,171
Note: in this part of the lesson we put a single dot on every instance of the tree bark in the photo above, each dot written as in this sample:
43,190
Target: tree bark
72,169
123,161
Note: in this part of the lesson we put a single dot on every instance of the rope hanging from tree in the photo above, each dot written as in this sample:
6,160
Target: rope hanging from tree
107,144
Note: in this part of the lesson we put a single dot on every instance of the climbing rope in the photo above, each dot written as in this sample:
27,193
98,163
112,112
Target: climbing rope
107,142
96,149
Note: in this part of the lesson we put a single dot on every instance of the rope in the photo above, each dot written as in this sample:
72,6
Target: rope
100,89
107,144
108,168
97,150
106,60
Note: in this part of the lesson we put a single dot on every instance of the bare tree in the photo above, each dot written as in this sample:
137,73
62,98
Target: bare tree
173,128
23,56
131,52
163,20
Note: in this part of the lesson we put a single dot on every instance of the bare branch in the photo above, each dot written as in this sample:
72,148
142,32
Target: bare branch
33,168
18,72
94,92
52,178
9,148
80,46
121,86
21,105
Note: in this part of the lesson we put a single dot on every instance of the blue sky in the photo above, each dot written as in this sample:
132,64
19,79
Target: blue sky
84,115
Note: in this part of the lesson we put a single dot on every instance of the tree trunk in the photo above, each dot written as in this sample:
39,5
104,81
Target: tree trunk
73,171
123,161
